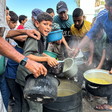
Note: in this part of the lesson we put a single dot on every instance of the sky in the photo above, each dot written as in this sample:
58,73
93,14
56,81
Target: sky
24,7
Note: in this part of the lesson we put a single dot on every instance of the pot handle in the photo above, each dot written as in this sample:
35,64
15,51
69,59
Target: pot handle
93,87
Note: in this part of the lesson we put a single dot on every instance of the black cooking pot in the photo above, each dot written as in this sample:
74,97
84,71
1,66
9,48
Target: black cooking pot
98,89
42,89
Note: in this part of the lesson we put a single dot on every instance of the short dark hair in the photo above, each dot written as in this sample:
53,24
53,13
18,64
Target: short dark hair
14,16
44,16
22,18
50,10
7,8
77,12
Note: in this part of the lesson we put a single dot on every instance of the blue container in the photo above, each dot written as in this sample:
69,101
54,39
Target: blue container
55,36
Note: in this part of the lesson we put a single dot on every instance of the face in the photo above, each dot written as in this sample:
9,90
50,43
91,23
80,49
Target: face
7,16
51,14
44,27
78,21
12,24
24,21
63,15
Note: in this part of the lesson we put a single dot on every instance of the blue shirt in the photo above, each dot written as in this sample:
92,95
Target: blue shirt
101,22
12,66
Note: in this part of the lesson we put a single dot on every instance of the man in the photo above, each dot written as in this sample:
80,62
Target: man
79,30
63,19
51,12
102,22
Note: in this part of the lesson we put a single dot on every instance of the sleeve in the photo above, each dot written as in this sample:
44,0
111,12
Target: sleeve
31,46
95,29
50,47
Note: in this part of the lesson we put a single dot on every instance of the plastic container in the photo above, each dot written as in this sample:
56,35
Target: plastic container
52,54
55,36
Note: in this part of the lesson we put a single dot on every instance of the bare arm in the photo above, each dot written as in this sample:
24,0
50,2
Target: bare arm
20,38
65,43
82,44
7,50
51,61
32,33
91,50
102,59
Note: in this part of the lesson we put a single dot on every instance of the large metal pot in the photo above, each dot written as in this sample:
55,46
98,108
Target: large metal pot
69,98
98,82
42,89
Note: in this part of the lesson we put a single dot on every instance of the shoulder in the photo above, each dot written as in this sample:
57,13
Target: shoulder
29,25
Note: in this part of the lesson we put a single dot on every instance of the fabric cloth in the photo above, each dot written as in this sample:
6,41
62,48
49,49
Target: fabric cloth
65,26
3,22
103,22
81,32
32,46
20,27
29,25
17,94
100,44
4,89
35,47
11,67
77,35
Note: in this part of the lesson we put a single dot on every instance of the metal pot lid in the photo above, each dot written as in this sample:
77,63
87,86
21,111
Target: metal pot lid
98,76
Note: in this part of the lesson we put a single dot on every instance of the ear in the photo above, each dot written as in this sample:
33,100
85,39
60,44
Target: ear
36,23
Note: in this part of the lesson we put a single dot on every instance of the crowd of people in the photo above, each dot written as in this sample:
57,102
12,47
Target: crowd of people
24,47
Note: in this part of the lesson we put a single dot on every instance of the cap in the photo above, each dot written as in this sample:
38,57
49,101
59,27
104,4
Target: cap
61,6
35,12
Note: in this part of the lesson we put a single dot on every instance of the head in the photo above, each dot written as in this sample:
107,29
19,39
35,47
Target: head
13,20
7,15
78,17
108,6
43,23
62,10
22,19
35,13
50,11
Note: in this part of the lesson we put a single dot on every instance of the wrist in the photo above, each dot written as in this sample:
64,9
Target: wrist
23,62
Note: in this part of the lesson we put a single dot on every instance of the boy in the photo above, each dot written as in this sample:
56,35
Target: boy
33,49
22,21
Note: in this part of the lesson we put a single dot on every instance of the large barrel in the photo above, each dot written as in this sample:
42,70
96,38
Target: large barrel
69,98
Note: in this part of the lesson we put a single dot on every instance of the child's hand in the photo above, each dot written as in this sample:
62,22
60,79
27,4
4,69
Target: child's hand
52,61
